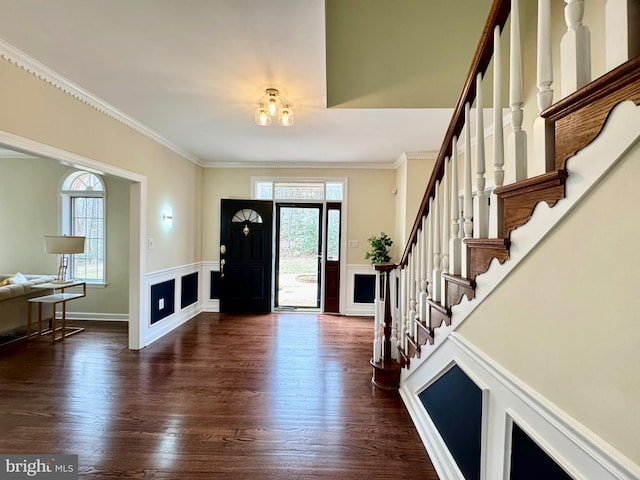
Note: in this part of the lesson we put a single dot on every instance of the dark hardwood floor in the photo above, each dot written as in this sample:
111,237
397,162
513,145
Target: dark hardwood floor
279,396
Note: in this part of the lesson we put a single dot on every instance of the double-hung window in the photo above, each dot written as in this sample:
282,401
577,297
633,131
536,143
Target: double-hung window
83,214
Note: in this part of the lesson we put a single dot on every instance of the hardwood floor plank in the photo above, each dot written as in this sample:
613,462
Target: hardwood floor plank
278,396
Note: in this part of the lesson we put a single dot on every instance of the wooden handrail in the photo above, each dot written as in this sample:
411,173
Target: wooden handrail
498,15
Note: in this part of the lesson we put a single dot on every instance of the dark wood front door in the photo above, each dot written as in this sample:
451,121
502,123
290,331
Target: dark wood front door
246,255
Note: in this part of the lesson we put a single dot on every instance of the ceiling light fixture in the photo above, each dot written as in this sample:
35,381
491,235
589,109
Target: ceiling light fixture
273,105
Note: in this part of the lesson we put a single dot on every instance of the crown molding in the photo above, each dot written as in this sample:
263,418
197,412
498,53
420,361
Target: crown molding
42,72
301,165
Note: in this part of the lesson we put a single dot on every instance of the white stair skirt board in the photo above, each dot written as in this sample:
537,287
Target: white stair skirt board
578,450
586,168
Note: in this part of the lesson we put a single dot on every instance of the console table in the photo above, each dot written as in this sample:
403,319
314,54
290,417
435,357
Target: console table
56,298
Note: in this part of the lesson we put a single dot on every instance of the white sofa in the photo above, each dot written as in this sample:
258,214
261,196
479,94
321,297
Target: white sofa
14,305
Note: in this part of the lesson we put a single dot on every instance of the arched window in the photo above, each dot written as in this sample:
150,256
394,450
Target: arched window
83,214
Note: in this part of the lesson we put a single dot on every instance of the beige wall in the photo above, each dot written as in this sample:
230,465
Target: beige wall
565,322
370,202
412,177
34,184
36,110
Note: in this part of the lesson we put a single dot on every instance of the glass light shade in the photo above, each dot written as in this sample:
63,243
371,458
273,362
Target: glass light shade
285,117
262,116
272,102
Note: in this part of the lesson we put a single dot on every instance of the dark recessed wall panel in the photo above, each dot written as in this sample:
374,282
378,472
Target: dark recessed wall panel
162,300
216,286
530,462
454,403
364,288
189,290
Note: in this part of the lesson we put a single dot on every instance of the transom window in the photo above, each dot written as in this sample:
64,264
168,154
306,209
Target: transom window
83,214
302,190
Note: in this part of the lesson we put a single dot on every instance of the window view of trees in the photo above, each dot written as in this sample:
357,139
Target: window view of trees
298,255
83,211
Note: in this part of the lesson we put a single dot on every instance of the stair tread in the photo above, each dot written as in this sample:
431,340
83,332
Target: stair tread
488,243
438,306
460,280
531,184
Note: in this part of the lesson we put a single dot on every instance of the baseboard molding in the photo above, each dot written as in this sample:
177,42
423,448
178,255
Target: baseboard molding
93,316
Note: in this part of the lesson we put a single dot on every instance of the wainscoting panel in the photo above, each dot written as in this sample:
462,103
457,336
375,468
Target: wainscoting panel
189,289
360,290
567,443
168,285
454,403
210,293
163,300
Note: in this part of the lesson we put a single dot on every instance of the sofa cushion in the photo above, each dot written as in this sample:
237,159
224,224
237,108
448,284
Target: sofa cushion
13,290
18,279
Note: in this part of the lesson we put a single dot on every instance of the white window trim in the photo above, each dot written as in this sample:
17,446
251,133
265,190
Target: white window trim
65,216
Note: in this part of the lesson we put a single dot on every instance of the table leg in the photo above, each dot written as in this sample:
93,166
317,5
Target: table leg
53,323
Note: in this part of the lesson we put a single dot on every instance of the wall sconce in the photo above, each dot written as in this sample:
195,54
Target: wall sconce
167,218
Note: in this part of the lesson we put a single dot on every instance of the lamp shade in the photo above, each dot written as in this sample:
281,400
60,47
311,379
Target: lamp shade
63,244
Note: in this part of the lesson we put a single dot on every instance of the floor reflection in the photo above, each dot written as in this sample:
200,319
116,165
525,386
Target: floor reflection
306,385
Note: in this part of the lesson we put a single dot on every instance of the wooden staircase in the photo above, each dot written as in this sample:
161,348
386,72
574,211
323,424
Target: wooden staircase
577,120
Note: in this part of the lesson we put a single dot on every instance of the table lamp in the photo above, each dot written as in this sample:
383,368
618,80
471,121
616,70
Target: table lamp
63,245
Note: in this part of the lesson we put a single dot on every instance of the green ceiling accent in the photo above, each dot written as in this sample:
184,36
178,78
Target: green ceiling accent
400,53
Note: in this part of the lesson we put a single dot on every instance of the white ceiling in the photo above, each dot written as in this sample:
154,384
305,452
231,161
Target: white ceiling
192,71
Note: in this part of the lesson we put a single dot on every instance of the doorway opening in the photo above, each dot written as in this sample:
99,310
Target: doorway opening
298,256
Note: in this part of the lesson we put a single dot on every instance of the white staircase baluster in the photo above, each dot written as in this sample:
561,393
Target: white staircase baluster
446,230
430,251
412,294
437,242
454,221
405,309
495,212
481,200
416,284
543,132
468,195
394,314
622,30
423,269
575,50
516,160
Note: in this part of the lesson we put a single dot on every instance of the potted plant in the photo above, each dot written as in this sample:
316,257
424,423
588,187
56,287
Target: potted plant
379,249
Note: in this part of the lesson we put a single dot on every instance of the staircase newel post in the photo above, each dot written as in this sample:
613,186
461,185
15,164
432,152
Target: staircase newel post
622,29
377,345
481,201
496,220
386,373
437,242
575,50
446,230
468,195
454,226
403,305
543,132
516,168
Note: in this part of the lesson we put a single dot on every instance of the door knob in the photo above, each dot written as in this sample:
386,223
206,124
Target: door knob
223,249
